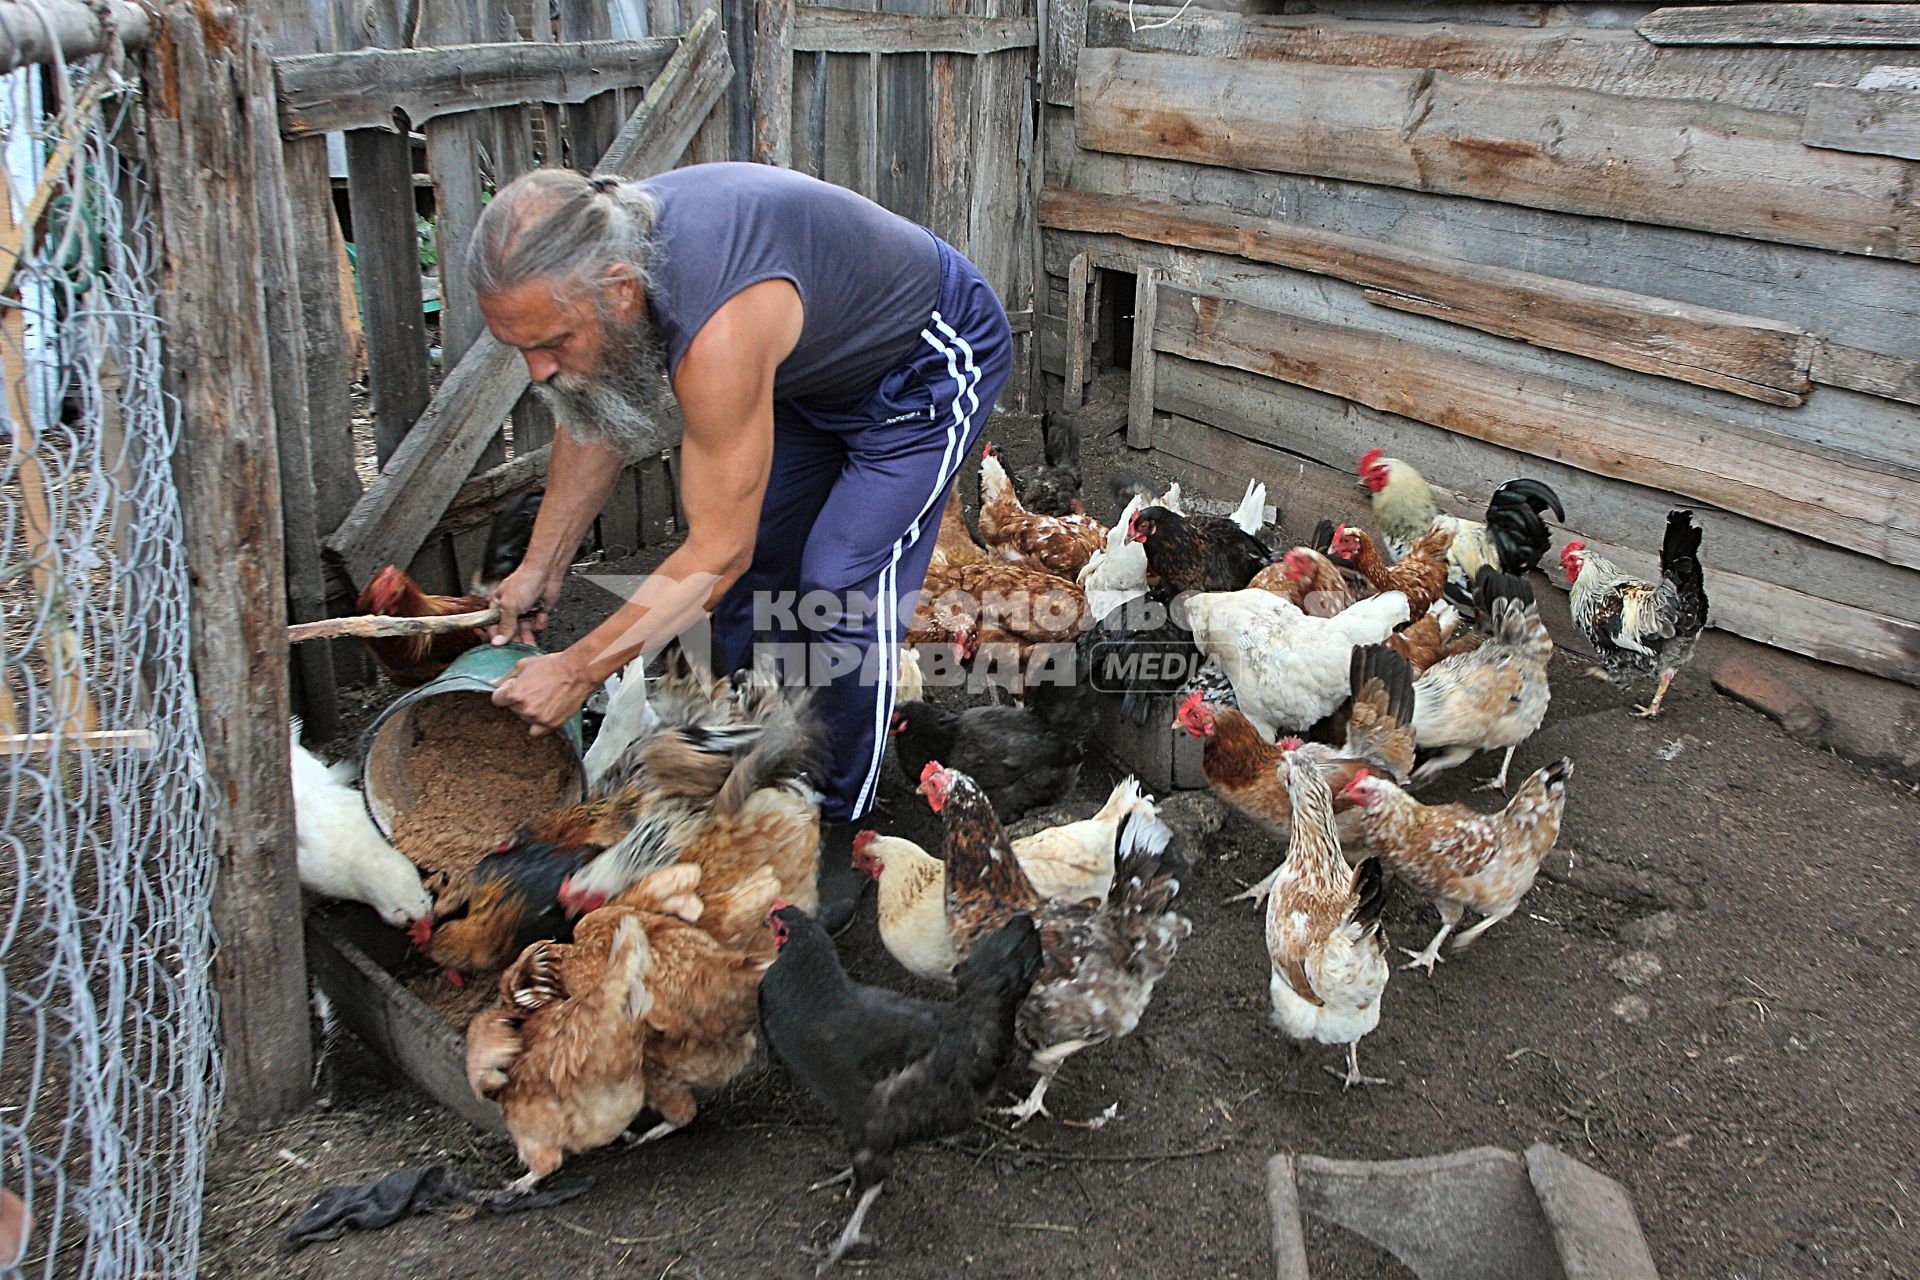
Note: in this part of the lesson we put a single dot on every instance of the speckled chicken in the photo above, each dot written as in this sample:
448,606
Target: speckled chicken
1637,626
1492,697
1059,544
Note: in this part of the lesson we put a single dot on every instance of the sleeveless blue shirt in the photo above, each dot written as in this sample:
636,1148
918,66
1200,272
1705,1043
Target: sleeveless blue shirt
868,279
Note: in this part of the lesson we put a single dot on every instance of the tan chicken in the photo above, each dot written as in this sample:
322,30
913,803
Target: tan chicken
1458,858
1313,583
954,545
1420,575
1061,545
1009,603
1324,941
1073,862
1432,637
1493,697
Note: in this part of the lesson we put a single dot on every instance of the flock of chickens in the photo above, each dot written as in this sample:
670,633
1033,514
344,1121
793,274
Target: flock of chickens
643,941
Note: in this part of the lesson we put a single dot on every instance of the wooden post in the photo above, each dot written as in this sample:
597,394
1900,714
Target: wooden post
1146,303
1078,339
206,151
771,82
592,124
676,18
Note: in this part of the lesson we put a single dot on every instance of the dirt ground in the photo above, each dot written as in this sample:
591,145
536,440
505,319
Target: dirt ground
1707,996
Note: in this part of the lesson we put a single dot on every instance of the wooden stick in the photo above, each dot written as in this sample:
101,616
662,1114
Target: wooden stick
375,625
25,744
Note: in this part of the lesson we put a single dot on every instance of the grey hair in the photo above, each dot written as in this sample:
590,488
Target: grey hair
564,227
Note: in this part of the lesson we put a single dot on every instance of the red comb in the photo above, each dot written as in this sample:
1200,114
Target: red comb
986,448
1292,744
926,774
863,840
1358,778
1369,458
1192,700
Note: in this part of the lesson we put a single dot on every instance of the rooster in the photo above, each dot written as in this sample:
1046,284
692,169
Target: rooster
1073,862
893,1069
1288,669
1512,539
1494,696
1421,574
1324,941
1638,626
1102,960
1061,545
410,661
1457,857
1243,768
341,854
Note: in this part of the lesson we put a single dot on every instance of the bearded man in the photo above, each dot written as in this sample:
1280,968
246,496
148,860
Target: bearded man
833,365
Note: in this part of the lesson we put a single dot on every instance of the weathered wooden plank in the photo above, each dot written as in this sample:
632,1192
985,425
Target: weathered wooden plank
1772,614
1792,486
834,30
1747,355
1880,115
367,88
1867,24
770,84
395,515
1079,341
204,165
592,123
1146,308
387,263
480,497
905,177
1000,235
953,106
1876,430
1556,53
1686,164
808,124
1066,23
453,161
1865,302
1895,377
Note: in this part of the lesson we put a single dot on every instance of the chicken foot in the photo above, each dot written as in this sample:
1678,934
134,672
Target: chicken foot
845,1175
1034,1103
1652,709
1465,940
1258,893
1450,913
1499,783
851,1236
1352,1076
658,1131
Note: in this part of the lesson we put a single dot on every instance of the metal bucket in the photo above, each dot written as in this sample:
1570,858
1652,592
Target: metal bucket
387,748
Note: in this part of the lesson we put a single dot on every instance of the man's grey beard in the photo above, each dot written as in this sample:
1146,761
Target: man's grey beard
622,404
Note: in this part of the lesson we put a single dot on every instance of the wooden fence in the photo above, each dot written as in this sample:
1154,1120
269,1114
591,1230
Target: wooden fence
1648,273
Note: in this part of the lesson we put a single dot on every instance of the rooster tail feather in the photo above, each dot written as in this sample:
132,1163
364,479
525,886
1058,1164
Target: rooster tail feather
507,540
1680,551
1514,523
1383,676
1370,893
1533,494
1322,540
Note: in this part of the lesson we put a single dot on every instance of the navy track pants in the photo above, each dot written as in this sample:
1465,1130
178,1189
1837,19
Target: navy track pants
849,522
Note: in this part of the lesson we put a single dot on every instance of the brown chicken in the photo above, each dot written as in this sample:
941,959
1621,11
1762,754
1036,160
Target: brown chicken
1061,545
1420,575
1457,857
1014,602
954,545
1313,583
1433,637
1244,769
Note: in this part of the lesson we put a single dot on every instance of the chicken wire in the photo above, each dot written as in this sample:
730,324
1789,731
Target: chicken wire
109,1077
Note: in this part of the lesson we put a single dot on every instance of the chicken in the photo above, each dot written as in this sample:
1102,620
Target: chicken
1117,573
1313,583
1053,489
629,717
1059,544
892,1068
1639,626
1420,575
954,545
1018,757
1324,941
410,661
1457,857
724,776
341,854
1288,669
1494,696
1102,960
508,902
1009,605
1073,862
1144,647
1433,636
1244,769
1197,553
1512,539
642,1006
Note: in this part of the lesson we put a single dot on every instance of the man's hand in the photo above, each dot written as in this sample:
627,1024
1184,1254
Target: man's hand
524,598
545,690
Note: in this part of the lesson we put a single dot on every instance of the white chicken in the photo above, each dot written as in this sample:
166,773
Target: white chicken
1073,861
1289,670
1119,573
630,717
1252,511
341,854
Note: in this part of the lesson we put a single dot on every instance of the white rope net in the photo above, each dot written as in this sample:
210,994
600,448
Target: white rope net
109,1078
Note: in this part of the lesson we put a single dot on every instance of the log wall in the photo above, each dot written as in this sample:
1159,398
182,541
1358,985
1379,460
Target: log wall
1651,274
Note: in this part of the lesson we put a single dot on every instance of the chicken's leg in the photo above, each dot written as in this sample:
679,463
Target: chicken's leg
1651,710
1034,1104
1352,1075
1465,940
851,1236
1259,892
845,1175
1500,782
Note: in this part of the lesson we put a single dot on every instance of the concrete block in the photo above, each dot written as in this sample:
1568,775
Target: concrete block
1594,1228
1749,683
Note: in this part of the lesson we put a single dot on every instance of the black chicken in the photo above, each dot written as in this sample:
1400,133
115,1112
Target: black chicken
1019,759
893,1068
1197,553
1053,489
